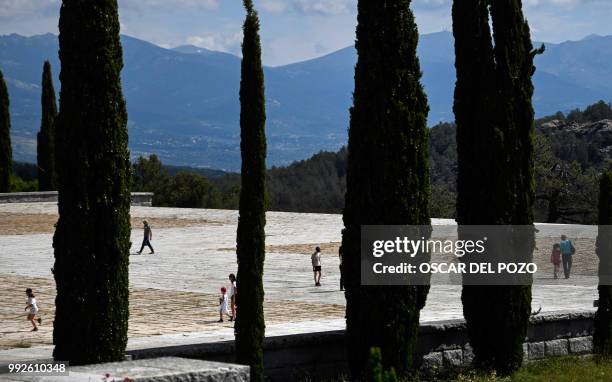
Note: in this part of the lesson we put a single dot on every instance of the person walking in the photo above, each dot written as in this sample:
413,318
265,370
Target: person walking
340,266
148,236
316,266
567,251
233,292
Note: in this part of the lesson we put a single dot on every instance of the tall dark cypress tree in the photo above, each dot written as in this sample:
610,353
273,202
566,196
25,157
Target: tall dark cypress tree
387,178
602,337
6,151
495,132
46,135
92,238
250,325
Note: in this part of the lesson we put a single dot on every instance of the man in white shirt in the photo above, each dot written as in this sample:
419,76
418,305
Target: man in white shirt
316,266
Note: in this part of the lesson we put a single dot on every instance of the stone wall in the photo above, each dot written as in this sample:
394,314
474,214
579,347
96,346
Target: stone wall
440,344
549,335
138,198
167,369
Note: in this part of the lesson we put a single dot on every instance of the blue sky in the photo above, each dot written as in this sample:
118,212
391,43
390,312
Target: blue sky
292,30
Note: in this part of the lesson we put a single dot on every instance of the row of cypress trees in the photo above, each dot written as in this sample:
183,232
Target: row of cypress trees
45,137
387,180
92,236
87,143
387,176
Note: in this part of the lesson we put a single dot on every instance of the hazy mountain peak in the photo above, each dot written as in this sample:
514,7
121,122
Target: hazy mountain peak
192,49
592,36
183,102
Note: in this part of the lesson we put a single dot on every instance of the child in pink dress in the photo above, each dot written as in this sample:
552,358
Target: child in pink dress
223,305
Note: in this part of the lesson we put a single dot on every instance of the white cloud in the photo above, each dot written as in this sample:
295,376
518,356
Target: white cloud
143,4
21,8
217,41
273,6
326,7
14,8
431,3
538,3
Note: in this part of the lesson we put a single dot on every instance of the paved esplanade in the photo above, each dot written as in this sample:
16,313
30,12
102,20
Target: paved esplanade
194,253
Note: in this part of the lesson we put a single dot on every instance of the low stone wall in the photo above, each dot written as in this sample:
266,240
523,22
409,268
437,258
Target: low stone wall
440,344
144,199
549,335
138,198
28,197
170,369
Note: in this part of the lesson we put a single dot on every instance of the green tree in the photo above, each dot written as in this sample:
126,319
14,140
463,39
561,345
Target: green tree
593,113
602,336
186,190
387,179
495,133
20,185
149,175
92,238
6,152
46,135
250,325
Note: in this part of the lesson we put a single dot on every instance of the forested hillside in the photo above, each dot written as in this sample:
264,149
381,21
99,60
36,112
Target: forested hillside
571,150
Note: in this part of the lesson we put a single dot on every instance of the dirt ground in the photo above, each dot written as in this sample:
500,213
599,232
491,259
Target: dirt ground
152,312
305,249
22,224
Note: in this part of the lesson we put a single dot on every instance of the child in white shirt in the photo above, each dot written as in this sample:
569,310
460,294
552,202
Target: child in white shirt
33,307
223,305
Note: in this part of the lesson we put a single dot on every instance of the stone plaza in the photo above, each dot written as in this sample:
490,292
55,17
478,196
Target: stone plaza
174,292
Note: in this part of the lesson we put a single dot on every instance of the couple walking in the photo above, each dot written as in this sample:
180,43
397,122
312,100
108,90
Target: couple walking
562,252
225,303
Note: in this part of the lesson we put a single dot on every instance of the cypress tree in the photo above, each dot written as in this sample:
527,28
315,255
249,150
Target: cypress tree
46,135
495,133
6,152
387,179
250,325
602,337
92,237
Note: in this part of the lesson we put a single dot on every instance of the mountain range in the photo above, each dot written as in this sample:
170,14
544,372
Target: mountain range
183,102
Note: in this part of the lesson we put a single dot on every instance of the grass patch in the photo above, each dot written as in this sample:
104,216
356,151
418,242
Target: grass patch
565,369
561,369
